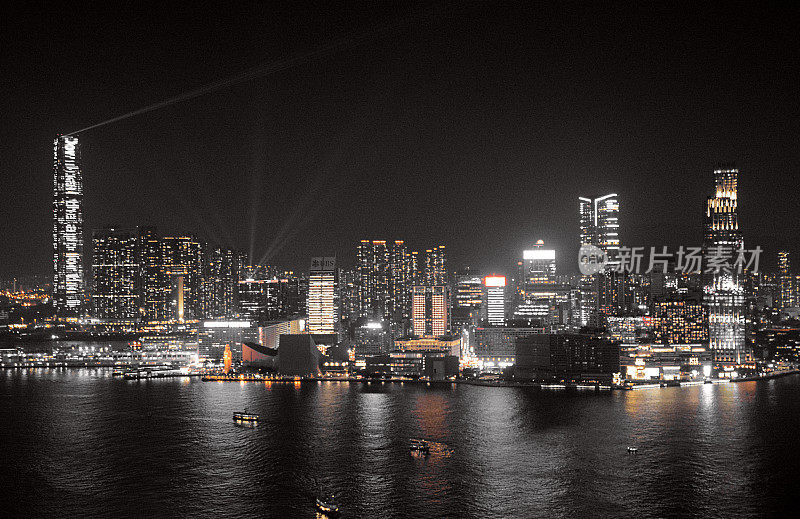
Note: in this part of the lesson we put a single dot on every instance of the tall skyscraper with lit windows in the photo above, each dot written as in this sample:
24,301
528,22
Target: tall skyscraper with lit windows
599,217
68,282
495,300
787,286
373,271
599,222
115,274
723,290
322,300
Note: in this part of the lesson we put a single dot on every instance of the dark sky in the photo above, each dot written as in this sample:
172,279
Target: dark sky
475,127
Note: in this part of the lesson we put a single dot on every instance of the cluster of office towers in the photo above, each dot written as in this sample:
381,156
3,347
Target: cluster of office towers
140,276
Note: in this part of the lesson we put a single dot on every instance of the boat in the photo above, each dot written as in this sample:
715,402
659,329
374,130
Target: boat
419,446
632,450
244,416
327,505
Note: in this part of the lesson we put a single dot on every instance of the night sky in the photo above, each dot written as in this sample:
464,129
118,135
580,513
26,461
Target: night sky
474,127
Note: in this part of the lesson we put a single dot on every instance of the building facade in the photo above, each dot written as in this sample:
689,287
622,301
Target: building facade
115,275
322,300
723,291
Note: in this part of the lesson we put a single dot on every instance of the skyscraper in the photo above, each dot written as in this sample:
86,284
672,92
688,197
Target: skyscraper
372,259
429,313
115,273
538,265
154,288
599,222
68,284
723,290
788,291
182,264
495,301
220,278
322,301
599,219
399,281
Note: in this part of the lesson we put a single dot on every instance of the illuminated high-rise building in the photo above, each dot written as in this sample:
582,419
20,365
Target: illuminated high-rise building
469,291
538,265
372,265
723,291
171,274
219,283
787,284
599,218
115,273
322,300
429,313
495,301
154,287
599,222
467,300
348,294
182,264
400,281
68,283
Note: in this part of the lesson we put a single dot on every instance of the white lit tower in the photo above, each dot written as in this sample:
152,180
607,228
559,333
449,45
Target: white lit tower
323,313
68,282
724,291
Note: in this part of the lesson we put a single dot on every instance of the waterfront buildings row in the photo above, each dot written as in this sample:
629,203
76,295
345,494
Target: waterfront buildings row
393,294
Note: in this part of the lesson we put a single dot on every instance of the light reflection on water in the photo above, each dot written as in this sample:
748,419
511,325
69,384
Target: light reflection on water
80,442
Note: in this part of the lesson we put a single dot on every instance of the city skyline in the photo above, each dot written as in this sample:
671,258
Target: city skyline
400,259
216,166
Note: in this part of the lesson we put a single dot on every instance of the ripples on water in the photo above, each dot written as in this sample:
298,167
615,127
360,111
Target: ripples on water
81,443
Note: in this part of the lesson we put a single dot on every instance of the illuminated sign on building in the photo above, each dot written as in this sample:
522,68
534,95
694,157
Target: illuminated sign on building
67,227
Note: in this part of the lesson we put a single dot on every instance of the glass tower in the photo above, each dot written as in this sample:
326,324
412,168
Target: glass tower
599,221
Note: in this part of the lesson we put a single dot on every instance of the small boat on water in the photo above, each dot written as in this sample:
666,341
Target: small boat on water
632,450
327,505
419,446
244,416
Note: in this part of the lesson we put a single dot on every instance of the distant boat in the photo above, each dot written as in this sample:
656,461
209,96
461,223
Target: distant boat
244,416
419,446
327,505
632,450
